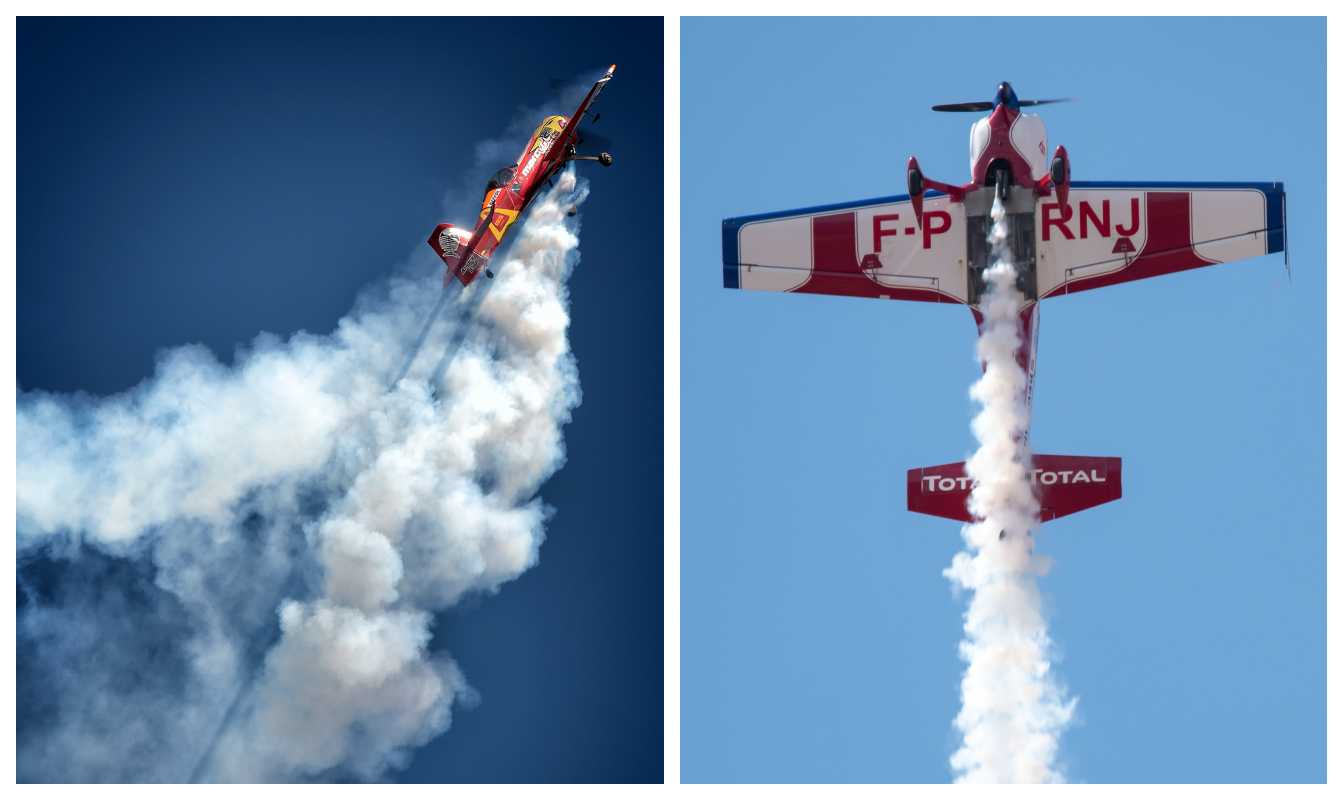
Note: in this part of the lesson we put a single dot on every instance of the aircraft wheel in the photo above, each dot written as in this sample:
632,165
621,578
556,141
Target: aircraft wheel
605,159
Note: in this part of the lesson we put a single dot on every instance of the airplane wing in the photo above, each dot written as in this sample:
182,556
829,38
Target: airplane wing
1124,231
571,127
868,248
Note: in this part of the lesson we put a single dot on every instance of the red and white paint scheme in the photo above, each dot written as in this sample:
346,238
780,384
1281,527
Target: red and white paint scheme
1065,236
467,253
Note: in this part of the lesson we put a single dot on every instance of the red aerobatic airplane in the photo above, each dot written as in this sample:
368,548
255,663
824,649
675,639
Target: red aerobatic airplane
1065,236
554,144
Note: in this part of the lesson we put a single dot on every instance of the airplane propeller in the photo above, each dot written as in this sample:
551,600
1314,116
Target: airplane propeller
964,107
987,106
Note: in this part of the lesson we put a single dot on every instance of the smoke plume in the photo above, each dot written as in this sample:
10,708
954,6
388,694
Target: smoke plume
230,572
1012,708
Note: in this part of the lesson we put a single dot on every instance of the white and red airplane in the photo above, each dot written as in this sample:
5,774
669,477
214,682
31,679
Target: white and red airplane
1065,237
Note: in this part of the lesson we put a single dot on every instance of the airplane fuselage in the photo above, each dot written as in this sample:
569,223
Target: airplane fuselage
511,190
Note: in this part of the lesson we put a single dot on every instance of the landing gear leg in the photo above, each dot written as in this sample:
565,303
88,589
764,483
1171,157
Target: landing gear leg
605,159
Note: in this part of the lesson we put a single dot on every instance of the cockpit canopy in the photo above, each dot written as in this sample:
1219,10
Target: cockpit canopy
502,178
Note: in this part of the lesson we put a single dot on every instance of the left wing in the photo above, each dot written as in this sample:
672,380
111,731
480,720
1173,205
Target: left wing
1114,232
869,248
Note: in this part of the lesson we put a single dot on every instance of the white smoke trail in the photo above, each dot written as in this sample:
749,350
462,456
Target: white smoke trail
289,500
1012,708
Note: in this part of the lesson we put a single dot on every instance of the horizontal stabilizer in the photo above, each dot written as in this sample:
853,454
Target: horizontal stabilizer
453,246
1063,484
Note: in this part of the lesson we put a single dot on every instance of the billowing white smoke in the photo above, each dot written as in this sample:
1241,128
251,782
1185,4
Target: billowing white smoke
242,562
1012,708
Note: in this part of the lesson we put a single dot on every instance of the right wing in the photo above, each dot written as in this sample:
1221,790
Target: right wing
869,248
1124,231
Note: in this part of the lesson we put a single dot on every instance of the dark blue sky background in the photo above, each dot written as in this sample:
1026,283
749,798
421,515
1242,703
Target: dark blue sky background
204,180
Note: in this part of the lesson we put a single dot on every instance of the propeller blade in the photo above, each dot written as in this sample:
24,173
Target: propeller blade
1047,102
980,106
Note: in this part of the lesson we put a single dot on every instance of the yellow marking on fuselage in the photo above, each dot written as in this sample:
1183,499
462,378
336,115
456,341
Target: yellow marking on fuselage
554,124
498,230
488,201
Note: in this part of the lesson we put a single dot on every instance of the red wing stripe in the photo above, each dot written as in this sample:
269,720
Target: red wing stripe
836,269
1169,246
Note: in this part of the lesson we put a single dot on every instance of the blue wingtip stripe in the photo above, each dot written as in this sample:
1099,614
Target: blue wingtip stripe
731,270
1277,217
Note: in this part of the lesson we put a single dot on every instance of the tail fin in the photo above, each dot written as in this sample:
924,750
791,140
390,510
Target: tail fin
1064,485
453,246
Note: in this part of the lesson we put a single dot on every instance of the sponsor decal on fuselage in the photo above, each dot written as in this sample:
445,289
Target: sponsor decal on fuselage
537,154
551,128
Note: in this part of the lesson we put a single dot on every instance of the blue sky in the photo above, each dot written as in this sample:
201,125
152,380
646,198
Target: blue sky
204,180
818,635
